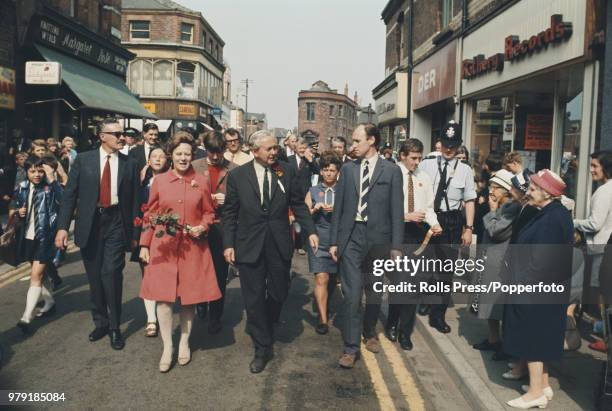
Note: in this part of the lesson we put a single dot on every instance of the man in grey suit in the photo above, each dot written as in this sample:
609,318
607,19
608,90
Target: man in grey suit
368,214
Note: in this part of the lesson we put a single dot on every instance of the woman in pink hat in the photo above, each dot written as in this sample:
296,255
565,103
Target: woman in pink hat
534,324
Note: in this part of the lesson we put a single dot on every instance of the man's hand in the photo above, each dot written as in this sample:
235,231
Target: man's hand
134,244
22,212
314,242
61,239
230,256
333,252
219,199
197,231
143,173
493,204
436,230
308,155
49,173
144,255
291,219
466,238
414,217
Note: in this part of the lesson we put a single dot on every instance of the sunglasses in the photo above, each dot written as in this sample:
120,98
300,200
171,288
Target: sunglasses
117,134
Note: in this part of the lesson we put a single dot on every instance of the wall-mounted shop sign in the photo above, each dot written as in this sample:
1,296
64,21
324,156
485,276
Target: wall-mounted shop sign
187,110
151,107
47,73
434,78
515,48
51,33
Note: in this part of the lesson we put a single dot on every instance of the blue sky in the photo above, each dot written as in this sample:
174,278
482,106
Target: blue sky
286,45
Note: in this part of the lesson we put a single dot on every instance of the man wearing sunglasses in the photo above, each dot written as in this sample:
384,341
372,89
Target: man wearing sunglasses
234,152
105,185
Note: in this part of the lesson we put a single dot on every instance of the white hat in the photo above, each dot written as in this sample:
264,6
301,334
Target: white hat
502,178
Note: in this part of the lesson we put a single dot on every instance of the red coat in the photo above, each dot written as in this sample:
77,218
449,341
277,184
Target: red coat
179,266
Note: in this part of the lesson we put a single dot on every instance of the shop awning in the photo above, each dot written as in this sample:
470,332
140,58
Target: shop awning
97,89
218,120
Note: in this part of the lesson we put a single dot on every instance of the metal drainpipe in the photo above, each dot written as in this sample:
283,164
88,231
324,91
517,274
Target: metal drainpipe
409,71
464,25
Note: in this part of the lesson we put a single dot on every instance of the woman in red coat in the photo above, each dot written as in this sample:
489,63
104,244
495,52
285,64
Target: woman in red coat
179,263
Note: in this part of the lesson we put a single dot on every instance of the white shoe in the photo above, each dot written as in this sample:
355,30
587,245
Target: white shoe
520,403
548,392
511,365
513,377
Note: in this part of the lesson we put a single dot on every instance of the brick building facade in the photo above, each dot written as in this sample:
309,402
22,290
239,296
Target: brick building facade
324,113
178,71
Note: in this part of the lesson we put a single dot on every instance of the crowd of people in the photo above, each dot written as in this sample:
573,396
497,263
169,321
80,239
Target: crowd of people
194,207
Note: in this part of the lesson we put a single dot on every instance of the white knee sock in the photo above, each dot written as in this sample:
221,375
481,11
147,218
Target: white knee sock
164,316
31,301
186,322
150,309
49,301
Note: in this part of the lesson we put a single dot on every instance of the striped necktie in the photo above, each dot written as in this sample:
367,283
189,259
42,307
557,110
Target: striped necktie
363,196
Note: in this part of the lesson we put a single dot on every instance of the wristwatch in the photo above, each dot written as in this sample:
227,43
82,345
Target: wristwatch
469,227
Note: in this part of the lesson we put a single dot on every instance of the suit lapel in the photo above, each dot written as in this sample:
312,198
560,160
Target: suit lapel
96,173
357,176
252,177
377,172
275,180
120,170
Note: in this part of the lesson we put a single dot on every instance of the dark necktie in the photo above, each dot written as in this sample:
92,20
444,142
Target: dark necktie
34,209
365,186
410,193
105,185
441,188
266,191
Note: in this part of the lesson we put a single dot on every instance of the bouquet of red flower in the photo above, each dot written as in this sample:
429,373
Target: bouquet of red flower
168,220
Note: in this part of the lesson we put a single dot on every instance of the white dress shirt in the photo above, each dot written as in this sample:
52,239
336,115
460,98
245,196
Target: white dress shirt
31,229
259,172
147,150
423,194
114,167
461,187
371,164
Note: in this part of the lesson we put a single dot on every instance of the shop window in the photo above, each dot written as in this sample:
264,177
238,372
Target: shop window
447,13
331,110
136,77
185,80
492,129
572,97
186,33
310,111
140,30
162,78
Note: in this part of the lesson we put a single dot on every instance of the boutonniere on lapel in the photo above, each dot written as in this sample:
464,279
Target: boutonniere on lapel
278,170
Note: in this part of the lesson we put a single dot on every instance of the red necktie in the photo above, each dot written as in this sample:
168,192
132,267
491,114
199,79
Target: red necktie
105,185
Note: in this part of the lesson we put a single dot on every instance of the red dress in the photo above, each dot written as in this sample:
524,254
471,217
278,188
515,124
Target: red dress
179,266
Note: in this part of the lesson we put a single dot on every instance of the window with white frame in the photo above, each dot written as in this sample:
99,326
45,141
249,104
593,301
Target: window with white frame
140,30
185,80
162,78
310,111
186,33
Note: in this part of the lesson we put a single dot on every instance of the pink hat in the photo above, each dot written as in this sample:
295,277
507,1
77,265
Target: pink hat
549,182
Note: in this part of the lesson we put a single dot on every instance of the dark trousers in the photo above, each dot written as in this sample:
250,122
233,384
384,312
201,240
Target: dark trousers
264,285
215,243
402,314
446,247
353,277
104,260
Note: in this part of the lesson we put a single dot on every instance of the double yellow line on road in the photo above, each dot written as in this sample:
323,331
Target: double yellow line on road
410,393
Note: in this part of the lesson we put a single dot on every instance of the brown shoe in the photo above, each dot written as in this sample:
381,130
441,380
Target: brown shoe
348,360
372,344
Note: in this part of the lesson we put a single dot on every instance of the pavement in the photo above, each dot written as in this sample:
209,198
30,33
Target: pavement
57,357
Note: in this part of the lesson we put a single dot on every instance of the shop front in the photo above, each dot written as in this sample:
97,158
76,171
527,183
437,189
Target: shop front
90,84
391,100
434,95
7,102
528,85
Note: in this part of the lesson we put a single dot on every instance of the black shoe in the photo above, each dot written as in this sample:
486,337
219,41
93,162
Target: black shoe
440,325
98,333
499,355
202,310
391,333
259,362
322,329
405,342
214,327
424,309
116,340
48,313
485,345
24,327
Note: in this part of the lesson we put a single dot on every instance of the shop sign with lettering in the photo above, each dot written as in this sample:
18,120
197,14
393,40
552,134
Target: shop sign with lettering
7,88
50,33
150,107
516,49
434,78
187,110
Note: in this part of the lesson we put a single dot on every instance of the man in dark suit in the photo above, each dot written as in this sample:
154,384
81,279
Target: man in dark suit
216,168
257,238
304,163
140,154
105,185
368,215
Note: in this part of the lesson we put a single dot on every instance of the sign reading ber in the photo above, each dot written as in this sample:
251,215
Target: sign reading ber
48,73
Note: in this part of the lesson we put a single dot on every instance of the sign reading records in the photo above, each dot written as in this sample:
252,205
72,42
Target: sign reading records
516,49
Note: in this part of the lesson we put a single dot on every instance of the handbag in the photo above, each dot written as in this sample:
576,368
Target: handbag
8,243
